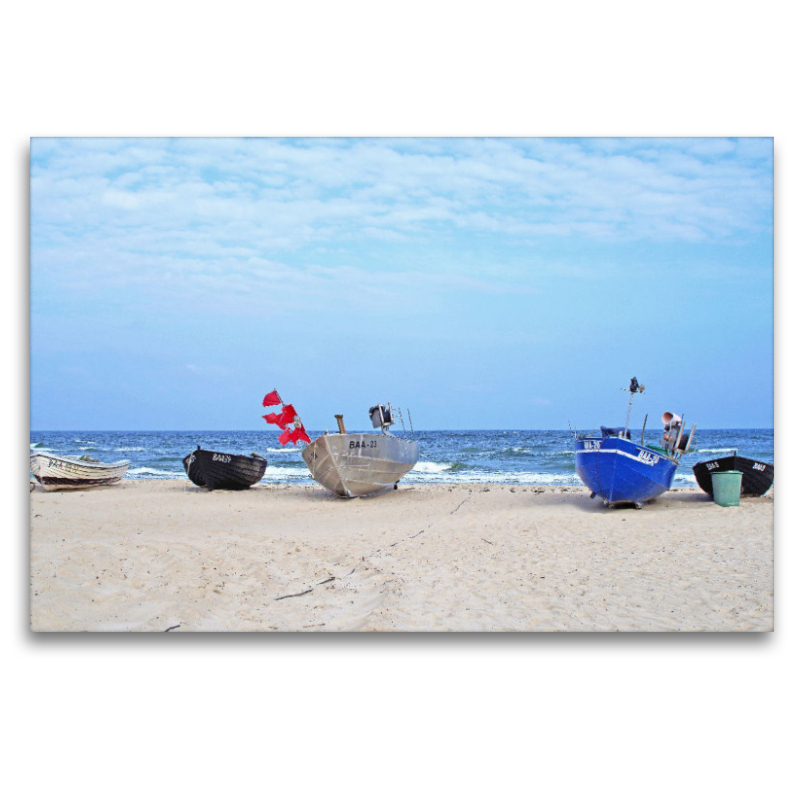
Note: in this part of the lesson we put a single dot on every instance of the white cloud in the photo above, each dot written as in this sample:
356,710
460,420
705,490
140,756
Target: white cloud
201,215
129,200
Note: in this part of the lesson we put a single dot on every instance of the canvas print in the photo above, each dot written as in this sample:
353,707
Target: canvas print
324,385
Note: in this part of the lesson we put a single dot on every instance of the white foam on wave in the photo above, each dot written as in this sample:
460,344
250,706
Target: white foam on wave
430,467
283,450
151,471
717,450
470,476
548,478
126,449
286,472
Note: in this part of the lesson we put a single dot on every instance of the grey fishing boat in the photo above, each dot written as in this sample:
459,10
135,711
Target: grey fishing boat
357,464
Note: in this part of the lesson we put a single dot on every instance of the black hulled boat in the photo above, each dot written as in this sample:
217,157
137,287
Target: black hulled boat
757,476
224,470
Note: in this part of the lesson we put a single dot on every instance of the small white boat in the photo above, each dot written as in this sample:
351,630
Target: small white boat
65,472
357,464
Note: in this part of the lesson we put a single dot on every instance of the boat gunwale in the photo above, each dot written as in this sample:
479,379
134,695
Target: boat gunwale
83,463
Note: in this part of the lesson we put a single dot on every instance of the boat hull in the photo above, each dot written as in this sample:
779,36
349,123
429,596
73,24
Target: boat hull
213,470
62,472
619,471
757,476
358,464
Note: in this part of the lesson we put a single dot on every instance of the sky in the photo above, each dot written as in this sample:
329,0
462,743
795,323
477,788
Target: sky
495,283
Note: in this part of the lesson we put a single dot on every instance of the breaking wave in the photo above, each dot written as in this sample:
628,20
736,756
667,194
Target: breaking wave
431,467
286,472
152,472
479,476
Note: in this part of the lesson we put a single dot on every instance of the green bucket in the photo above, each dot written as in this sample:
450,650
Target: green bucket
727,486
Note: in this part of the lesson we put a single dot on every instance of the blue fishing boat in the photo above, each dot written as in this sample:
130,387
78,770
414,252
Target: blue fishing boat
620,470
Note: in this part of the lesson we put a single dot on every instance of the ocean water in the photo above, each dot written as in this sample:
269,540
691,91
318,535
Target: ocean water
503,456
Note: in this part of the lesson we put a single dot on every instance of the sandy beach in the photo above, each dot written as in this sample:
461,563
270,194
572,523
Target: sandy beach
168,556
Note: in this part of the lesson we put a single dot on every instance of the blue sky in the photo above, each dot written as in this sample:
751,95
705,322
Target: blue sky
481,283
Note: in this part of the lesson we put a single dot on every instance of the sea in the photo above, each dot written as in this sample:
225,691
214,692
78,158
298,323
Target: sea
500,456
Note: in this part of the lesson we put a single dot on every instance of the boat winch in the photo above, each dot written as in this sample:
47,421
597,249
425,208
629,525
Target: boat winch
381,416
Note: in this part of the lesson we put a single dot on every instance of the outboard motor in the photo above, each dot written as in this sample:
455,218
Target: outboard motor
381,416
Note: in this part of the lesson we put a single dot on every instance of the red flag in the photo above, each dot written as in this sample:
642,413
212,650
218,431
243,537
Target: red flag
300,433
286,436
287,416
287,419
272,399
293,436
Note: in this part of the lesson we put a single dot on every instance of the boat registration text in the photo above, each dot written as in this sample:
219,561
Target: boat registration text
646,457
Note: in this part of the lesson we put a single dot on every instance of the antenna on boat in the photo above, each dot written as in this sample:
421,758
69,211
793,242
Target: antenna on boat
633,389
410,421
402,421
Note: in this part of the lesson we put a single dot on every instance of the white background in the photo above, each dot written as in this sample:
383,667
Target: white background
640,716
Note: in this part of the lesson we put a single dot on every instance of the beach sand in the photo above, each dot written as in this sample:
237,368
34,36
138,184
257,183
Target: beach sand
149,555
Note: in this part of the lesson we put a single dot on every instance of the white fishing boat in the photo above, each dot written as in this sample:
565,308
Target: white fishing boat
357,464
65,472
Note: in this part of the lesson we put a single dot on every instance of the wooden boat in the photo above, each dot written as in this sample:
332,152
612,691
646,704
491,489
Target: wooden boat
757,476
215,470
358,464
621,471
55,472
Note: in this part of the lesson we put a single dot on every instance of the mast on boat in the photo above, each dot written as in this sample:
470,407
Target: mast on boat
634,388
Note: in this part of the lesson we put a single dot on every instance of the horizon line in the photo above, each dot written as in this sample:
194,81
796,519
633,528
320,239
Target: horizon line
416,430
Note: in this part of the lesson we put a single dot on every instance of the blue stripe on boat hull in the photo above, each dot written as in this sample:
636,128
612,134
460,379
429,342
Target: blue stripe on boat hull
620,471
